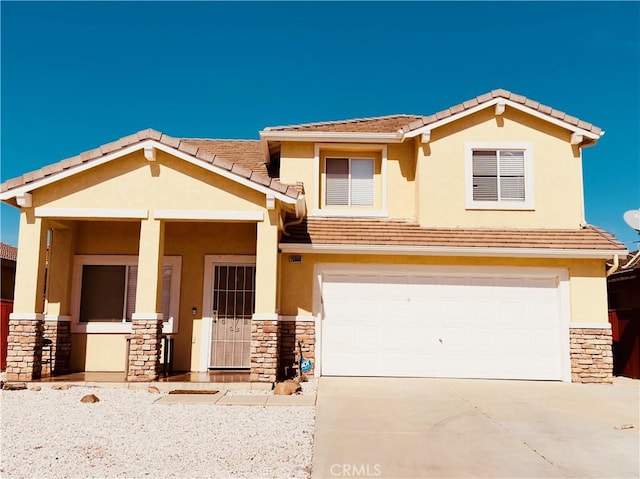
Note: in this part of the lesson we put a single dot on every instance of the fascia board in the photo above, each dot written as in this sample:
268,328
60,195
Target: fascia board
512,104
448,251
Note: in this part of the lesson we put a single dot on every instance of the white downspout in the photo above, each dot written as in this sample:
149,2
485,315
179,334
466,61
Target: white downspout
301,213
614,267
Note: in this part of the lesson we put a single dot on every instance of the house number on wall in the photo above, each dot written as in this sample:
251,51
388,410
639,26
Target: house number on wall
295,258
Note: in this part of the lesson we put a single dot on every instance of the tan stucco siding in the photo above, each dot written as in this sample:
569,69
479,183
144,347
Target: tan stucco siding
556,165
98,352
587,280
132,182
401,174
297,164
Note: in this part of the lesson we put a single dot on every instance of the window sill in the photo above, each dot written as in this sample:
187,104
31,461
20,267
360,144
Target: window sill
501,206
113,328
349,213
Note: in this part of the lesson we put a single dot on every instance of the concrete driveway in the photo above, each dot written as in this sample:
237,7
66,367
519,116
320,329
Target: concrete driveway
418,428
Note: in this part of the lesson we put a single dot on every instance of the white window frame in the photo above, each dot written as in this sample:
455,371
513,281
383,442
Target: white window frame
529,198
321,210
169,327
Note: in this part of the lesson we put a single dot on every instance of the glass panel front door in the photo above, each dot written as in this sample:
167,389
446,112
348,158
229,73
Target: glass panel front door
233,306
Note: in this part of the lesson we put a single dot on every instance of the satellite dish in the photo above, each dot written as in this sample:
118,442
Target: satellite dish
632,218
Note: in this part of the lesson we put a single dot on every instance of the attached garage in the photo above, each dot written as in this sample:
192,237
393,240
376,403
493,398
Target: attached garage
463,322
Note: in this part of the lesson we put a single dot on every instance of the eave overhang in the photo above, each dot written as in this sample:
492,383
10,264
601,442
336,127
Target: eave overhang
450,251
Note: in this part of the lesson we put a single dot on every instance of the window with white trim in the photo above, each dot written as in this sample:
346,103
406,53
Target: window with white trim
105,292
499,177
349,182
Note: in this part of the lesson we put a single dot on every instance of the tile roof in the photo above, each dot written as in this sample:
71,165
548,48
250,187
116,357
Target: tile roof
408,123
378,124
8,252
384,232
241,157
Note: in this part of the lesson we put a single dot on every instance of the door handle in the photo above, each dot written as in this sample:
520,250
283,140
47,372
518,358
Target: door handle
214,316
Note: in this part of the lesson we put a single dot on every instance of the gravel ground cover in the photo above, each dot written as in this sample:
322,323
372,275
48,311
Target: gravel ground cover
51,434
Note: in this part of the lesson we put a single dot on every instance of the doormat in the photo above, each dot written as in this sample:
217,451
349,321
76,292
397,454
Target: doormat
193,391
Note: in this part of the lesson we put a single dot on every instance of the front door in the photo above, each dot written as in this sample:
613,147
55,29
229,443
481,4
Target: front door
233,300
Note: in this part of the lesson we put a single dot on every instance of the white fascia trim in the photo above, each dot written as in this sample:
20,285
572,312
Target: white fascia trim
446,251
298,319
512,104
589,325
264,317
59,318
208,215
47,212
141,146
26,316
146,316
336,137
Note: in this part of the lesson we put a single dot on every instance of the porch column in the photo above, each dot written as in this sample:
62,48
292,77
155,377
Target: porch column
24,350
146,324
57,324
264,327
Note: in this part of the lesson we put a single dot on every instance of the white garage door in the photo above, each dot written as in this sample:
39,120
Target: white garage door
468,324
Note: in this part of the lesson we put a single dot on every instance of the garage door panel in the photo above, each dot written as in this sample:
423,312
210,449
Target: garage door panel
421,324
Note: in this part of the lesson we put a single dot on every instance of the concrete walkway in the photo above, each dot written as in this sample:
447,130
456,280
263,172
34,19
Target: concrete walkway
221,399
419,428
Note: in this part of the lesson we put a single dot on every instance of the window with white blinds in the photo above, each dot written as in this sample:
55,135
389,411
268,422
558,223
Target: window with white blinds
104,293
109,292
349,182
498,175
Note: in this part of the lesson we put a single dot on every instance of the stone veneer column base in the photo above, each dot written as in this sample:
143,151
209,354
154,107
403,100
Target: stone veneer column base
264,350
144,350
59,332
292,332
24,349
591,356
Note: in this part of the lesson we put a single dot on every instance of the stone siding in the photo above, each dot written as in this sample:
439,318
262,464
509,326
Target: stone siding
274,348
264,351
292,332
24,350
59,332
591,356
144,350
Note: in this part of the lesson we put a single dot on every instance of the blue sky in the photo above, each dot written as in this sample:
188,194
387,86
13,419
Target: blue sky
76,75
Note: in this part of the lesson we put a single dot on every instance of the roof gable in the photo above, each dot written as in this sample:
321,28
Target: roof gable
239,160
407,126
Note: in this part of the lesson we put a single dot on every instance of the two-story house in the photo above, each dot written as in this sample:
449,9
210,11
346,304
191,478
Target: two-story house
449,245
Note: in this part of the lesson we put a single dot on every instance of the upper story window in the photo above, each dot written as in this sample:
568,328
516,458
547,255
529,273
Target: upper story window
349,182
499,176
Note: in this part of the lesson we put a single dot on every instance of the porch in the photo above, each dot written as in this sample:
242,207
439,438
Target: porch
159,278
186,381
